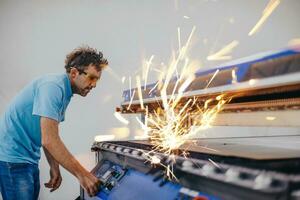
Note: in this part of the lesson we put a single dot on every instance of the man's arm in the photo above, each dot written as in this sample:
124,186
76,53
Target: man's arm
53,144
52,162
55,176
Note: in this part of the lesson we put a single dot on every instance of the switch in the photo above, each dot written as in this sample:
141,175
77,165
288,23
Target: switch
110,186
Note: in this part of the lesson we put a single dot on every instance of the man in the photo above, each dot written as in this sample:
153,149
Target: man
32,120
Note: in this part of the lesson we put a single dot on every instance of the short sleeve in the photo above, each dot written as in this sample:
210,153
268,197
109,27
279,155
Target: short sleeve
48,101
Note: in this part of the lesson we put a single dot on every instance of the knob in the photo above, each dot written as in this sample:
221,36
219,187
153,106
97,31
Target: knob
126,150
187,165
112,147
135,153
232,175
119,149
208,169
262,181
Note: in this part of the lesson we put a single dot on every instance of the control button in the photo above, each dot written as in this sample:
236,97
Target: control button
232,175
126,150
112,147
119,149
262,181
135,153
115,174
187,165
110,186
208,169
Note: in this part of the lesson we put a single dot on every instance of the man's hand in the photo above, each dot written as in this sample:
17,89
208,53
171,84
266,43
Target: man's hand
55,179
90,183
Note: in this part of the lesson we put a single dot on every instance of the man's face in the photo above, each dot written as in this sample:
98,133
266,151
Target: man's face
85,80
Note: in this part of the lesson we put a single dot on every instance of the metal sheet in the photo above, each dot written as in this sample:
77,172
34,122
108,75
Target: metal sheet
258,148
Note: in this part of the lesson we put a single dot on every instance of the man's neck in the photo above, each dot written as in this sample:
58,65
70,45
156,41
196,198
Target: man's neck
73,87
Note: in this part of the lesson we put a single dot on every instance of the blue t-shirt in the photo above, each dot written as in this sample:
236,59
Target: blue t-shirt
20,130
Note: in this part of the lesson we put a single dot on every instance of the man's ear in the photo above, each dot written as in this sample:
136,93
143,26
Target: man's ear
73,72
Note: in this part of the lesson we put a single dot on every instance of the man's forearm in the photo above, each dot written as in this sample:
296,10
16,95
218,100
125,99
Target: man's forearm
53,144
52,162
58,150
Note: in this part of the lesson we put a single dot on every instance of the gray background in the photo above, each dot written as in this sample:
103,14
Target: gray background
36,35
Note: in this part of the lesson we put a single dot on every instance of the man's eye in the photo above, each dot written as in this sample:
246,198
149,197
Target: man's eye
93,78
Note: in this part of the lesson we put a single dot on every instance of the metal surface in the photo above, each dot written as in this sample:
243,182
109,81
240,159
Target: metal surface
259,148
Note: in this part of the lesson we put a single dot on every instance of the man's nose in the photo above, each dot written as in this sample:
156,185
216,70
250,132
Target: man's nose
94,84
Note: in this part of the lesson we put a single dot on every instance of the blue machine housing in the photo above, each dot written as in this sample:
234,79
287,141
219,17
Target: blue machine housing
243,70
120,183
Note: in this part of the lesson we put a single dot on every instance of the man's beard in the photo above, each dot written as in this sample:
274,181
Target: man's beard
82,92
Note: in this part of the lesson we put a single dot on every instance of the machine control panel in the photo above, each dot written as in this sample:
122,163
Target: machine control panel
127,184
109,175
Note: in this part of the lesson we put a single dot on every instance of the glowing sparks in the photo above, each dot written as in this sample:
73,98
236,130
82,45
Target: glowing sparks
148,63
234,77
209,114
169,131
214,163
120,132
138,83
130,85
141,137
155,160
212,78
270,118
272,5
131,99
223,53
102,138
152,89
178,36
168,127
186,83
252,81
123,79
294,42
143,126
121,118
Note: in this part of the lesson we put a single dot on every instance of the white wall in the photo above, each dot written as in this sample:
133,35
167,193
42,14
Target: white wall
36,35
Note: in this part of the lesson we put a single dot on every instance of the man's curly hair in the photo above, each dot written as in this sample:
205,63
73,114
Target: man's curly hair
83,56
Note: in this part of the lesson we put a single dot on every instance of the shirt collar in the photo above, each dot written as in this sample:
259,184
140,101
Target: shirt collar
68,86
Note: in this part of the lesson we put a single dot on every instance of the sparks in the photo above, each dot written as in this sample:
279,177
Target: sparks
123,79
155,160
178,36
222,54
214,163
212,78
167,127
272,5
130,85
101,138
148,63
152,89
138,83
234,77
270,118
121,118
131,99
